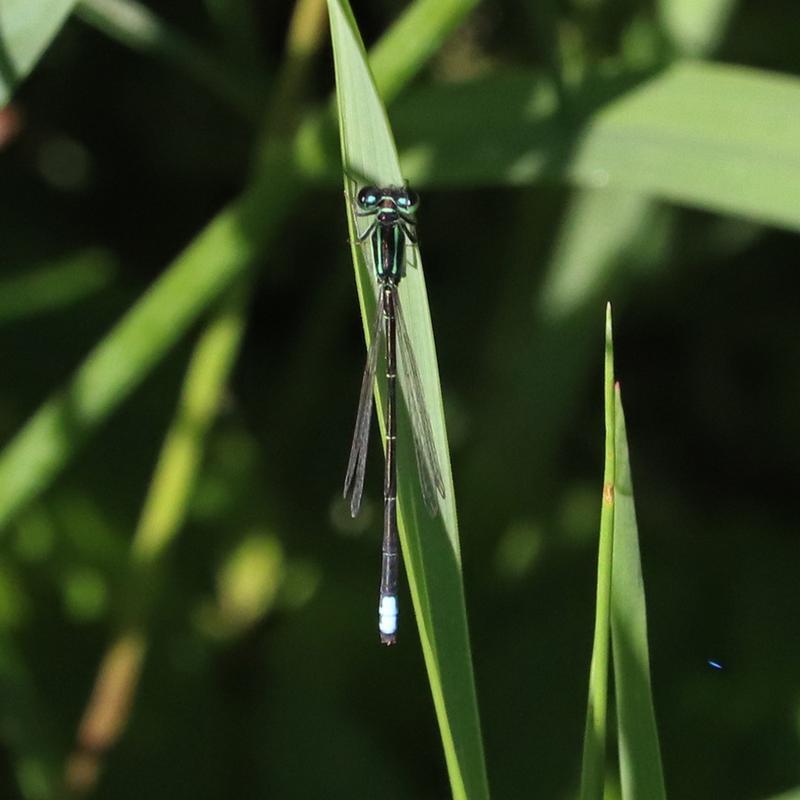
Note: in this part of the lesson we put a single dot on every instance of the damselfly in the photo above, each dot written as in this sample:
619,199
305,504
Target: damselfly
392,228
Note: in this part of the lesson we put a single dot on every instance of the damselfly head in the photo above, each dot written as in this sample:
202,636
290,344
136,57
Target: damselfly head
391,198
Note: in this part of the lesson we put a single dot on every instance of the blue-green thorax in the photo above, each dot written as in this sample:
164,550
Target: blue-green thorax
389,247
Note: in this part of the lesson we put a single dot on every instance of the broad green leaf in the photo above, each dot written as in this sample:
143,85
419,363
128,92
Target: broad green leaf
722,138
600,228
430,546
26,29
639,755
594,738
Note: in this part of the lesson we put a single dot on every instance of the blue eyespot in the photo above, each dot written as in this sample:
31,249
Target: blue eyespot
407,199
368,197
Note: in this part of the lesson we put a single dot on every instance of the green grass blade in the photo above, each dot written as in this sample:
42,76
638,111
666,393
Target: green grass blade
639,755
426,24
179,461
106,714
26,29
717,137
594,739
55,284
430,546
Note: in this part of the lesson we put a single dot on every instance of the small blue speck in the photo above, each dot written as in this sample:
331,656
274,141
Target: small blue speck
714,664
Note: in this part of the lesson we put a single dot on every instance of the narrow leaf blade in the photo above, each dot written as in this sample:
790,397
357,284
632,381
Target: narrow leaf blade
430,546
639,754
594,739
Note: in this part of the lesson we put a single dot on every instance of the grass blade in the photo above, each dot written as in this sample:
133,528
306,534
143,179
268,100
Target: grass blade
639,755
594,738
55,284
431,548
426,23
621,616
26,29
113,694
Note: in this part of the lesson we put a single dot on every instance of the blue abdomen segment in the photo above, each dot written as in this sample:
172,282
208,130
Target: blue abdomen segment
387,618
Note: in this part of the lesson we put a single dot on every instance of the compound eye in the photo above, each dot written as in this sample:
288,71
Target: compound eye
408,200
368,197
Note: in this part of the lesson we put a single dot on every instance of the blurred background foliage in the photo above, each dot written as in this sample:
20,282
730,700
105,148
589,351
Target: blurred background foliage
254,630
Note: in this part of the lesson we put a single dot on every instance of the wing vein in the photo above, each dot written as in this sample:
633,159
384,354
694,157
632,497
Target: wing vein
430,474
357,463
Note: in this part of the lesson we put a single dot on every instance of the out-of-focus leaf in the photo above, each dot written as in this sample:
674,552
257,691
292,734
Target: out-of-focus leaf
426,23
717,137
218,256
600,228
54,285
26,29
695,26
